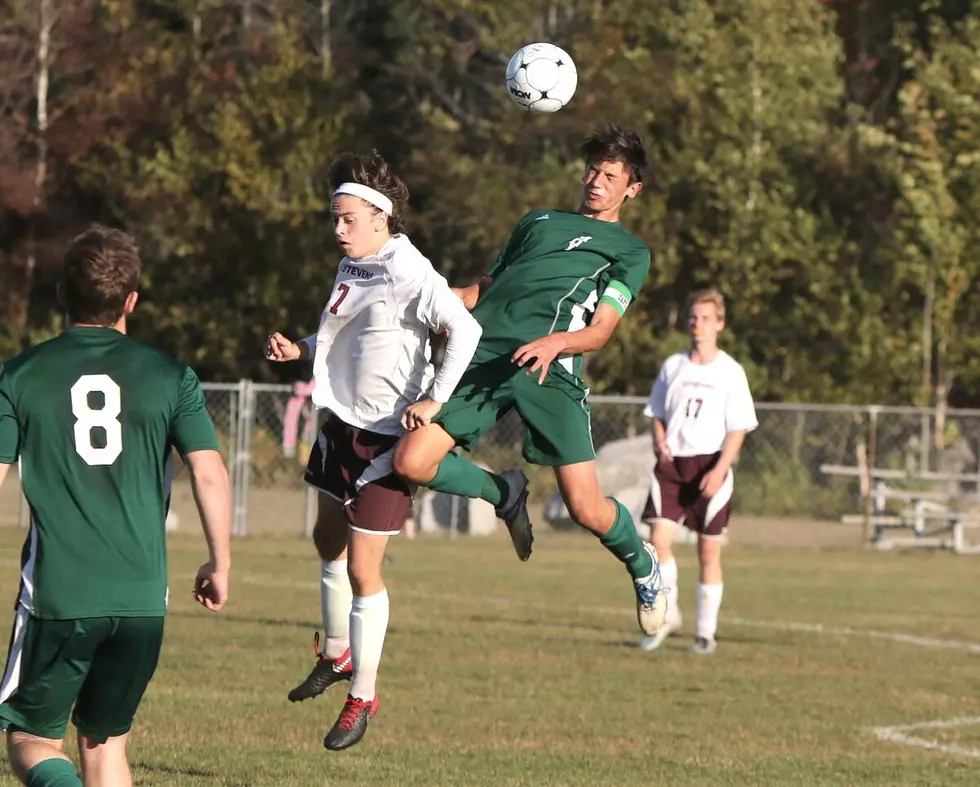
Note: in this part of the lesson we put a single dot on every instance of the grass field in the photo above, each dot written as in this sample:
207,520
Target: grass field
502,673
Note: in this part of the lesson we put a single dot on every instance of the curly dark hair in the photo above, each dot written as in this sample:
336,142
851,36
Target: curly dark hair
370,169
615,143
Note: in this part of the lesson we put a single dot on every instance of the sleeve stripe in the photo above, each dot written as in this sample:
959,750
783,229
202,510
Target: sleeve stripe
617,295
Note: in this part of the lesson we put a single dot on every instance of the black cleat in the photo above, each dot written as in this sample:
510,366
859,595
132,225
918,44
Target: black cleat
324,674
513,511
351,724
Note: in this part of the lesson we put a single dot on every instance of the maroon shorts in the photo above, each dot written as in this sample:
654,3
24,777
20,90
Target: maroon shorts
675,494
354,466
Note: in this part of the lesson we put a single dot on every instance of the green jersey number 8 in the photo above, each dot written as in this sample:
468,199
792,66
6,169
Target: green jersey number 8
105,418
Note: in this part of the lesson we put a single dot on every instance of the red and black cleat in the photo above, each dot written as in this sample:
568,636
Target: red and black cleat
324,674
351,724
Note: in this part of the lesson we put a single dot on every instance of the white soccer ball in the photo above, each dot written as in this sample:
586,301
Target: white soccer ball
541,77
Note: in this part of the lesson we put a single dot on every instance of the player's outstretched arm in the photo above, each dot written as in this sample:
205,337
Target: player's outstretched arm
4,467
212,494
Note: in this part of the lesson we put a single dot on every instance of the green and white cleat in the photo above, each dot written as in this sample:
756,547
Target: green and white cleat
651,598
669,628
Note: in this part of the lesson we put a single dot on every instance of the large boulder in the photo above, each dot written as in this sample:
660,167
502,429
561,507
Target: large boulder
625,463
624,468
435,512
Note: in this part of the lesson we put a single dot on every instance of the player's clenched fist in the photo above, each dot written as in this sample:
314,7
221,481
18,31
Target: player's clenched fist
279,348
211,587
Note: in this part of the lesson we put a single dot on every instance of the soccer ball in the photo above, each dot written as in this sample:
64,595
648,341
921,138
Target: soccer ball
541,77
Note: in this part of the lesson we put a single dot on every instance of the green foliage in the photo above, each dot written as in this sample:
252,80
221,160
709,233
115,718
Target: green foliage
816,162
772,484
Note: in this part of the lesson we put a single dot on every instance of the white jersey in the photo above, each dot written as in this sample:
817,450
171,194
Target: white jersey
372,353
701,403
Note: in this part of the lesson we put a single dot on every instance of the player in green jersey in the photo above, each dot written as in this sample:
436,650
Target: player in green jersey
558,289
92,416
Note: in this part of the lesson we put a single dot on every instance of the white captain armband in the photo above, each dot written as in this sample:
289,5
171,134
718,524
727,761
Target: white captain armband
618,296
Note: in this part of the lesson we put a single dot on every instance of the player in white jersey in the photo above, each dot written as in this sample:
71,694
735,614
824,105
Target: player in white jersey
372,372
700,410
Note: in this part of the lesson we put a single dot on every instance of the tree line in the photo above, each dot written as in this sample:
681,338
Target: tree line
819,162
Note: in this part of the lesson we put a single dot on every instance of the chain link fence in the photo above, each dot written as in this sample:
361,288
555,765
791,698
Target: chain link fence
809,461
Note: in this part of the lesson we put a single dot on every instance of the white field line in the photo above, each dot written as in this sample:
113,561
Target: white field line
899,734
771,625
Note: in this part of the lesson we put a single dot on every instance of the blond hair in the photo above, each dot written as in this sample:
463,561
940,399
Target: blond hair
710,295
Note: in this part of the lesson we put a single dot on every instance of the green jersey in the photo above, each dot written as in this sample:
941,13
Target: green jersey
92,416
554,271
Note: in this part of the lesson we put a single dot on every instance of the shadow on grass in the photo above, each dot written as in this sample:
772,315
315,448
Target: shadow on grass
484,619
173,770
683,642
231,617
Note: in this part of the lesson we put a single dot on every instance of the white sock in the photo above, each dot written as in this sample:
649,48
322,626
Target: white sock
709,602
668,572
368,626
335,604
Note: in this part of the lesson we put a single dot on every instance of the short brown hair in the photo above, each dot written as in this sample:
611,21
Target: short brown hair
710,295
370,169
100,270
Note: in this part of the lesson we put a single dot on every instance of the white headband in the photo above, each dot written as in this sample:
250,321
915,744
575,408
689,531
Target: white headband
366,193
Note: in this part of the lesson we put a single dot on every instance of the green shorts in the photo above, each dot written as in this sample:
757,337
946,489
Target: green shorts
101,666
555,413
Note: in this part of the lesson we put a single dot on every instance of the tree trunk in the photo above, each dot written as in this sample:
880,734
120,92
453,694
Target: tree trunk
196,23
755,154
927,340
325,54
42,74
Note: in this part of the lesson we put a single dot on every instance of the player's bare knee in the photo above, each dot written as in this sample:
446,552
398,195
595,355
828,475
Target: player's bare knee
102,757
418,454
330,545
24,751
662,538
409,461
709,550
588,511
365,577
331,529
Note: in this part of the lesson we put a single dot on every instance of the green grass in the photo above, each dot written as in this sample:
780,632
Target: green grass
500,673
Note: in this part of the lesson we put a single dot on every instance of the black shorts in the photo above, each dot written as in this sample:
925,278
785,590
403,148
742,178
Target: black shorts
353,466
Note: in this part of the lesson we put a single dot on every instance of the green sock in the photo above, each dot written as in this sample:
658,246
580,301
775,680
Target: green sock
457,475
55,772
625,543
